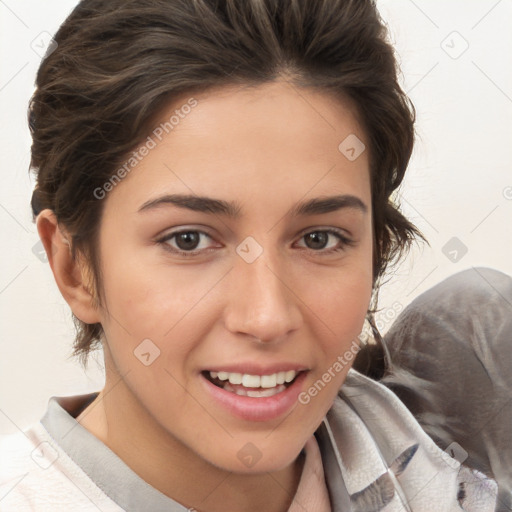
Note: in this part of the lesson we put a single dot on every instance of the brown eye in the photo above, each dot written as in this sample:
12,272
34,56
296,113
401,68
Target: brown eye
317,239
187,240
325,241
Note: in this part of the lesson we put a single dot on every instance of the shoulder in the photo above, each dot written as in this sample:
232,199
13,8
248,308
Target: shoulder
22,458
16,451
36,474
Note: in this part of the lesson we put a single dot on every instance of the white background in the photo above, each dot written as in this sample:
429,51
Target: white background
459,183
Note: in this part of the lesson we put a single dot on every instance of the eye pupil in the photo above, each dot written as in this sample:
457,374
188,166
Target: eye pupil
318,238
190,240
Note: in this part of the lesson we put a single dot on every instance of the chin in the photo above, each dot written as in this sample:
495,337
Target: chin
251,458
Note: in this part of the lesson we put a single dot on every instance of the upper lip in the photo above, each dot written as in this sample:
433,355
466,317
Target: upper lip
252,368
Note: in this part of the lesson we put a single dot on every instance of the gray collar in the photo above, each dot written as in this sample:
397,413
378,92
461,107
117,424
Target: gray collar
102,465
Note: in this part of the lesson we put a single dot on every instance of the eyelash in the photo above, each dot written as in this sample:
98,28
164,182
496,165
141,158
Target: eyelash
344,242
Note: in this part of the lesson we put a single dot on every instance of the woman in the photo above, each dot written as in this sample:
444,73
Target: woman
213,193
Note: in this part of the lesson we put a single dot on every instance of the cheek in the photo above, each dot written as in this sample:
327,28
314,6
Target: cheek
338,320
148,299
340,298
342,312
148,308
169,306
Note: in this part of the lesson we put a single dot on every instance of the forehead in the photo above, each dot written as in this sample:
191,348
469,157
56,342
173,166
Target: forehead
260,140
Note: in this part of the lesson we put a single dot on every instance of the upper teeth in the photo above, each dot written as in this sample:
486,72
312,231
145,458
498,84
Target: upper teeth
256,381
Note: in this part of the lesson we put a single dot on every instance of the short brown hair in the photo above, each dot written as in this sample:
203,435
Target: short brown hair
119,62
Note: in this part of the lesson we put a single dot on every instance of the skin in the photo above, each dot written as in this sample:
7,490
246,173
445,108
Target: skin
267,148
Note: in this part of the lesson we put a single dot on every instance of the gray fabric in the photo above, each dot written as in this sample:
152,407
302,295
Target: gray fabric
103,466
450,353
338,494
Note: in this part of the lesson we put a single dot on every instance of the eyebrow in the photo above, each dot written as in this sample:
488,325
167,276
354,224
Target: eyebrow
233,210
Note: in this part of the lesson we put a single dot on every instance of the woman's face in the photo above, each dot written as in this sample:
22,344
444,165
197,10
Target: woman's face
237,254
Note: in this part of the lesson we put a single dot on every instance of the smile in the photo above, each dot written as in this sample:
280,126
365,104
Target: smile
254,397
255,386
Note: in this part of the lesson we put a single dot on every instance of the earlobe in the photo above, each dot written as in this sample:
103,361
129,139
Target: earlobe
70,274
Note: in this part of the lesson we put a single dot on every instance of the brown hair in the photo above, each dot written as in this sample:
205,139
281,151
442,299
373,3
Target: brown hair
117,63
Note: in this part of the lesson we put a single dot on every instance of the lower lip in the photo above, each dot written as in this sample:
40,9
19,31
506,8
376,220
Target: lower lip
256,409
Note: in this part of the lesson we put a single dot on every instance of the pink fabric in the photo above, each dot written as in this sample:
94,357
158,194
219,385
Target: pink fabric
312,491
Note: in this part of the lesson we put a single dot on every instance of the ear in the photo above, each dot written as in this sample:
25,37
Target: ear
71,275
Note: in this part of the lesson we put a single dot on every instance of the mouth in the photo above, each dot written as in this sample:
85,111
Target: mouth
253,397
254,386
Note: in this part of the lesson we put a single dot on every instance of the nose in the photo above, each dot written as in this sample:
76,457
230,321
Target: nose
261,300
